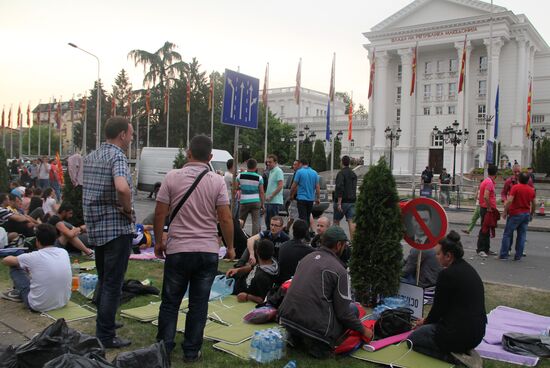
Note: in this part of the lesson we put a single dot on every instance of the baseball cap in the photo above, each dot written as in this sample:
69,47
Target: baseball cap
335,234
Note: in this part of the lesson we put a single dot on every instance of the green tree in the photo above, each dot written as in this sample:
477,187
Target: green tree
377,254
306,150
121,92
542,156
337,153
4,172
180,159
73,195
319,159
40,132
91,114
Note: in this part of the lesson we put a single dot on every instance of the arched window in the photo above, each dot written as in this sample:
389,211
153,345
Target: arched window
480,138
436,140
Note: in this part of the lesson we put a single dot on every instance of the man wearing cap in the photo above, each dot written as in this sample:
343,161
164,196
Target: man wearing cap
317,309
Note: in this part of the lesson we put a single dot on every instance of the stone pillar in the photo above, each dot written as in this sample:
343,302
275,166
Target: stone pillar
380,103
403,154
522,86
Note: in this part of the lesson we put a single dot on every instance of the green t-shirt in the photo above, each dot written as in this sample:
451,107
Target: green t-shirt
275,175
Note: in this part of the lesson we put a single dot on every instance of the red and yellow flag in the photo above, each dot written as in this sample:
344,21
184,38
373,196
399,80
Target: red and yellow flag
350,119
529,98
84,107
130,105
148,102
71,104
371,77
188,98
211,94
19,122
9,118
113,105
49,112
29,115
413,79
58,115
462,68
59,168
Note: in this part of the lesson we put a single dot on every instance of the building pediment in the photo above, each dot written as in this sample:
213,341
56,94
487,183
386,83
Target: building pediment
433,11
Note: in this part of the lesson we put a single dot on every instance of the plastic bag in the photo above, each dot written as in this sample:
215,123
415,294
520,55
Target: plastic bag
154,356
261,315
55,340
77,361
222,286
7,356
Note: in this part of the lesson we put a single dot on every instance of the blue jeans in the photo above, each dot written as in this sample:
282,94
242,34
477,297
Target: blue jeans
271,209
57,189
196,269
111,260
43,183
520,223
21,283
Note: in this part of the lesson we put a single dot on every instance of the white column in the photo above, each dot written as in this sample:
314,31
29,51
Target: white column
522,85
462,106
402,162
495,62
381,103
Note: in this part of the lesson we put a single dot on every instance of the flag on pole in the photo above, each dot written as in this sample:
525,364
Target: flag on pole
49,112
266,86
84,107
71,104
130,104
211,94
188,98
332,87
58,116
113,105
19,122
371,77
59,168
462,67
327,135
3,113
148,101
298,83
9,118
496,111
413,79
29,115
528,123
350,119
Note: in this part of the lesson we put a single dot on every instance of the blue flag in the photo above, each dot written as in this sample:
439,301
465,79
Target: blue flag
327,136
496,112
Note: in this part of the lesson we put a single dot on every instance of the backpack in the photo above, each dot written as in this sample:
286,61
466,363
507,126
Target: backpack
393,322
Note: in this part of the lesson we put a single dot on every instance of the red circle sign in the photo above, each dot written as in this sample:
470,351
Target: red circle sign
433,228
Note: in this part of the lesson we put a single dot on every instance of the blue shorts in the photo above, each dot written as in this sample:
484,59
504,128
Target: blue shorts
348,210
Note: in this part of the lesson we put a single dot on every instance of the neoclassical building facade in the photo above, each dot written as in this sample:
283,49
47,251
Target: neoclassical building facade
504,52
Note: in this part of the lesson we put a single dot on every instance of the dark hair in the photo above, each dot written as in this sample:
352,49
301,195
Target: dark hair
46,234
12,197
3,197
36,202
65,206
304,161
492,170
251,164
46,193
451,244
278,219
14,184
37,191
299,229
201,147
265,249
28,192
116,125
523,178
273,157
345,160
229,164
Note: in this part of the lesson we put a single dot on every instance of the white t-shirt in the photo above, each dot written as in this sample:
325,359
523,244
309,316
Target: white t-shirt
228,178
44,171
49,206
51,277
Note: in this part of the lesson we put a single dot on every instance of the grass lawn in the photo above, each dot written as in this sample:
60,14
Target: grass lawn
143,334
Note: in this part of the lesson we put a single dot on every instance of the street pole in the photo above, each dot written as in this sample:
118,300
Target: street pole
391,154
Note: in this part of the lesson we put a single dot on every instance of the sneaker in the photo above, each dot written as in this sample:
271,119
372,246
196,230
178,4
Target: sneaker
116,343
194,359
12,295
491,253
501,258
482,254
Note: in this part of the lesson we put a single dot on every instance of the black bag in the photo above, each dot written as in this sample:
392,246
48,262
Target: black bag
529,345
393,322
154,356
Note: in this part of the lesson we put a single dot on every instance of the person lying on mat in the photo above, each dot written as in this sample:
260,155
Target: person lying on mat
254,282
456,322
317,310
41,279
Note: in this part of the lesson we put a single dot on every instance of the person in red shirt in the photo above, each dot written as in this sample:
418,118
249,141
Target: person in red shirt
487,203
519,208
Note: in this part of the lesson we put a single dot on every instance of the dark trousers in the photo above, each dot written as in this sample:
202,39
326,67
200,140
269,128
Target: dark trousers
111,260
196,269
21,283
304,210
423,341
483,239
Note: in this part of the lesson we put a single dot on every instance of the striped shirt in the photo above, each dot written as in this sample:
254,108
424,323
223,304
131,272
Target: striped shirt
5,214
103,219
250,182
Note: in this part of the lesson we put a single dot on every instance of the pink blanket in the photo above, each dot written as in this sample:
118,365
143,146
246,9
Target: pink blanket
145,255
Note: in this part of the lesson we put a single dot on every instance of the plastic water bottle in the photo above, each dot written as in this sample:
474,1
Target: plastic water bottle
93,284
254,344
280,347
87,283
266,349
290,364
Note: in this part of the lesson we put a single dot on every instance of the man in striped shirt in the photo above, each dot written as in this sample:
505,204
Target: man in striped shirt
251,185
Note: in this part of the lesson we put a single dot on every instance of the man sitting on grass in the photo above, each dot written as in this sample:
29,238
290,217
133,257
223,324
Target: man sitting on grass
70,235
42,279
13,222
254,282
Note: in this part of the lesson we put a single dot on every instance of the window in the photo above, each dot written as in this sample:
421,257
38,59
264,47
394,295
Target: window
398,115
481,111
453,65
307,111
480,138
427,90
399,71
282,110
398,94
538,119
482,88
317,112
440,66
427,67
483,63
439,90
451,109
439,110
452,90
426,111
437,140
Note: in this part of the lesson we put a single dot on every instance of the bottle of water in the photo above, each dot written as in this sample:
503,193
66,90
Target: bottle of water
87,282
254,346
291,364
266,349
280,347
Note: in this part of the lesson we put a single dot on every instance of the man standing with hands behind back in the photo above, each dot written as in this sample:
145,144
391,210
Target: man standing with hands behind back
191,251
107,204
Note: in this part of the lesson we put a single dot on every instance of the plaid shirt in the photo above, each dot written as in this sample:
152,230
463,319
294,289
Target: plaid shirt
99,198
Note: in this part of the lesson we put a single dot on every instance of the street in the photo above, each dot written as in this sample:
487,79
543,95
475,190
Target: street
531,271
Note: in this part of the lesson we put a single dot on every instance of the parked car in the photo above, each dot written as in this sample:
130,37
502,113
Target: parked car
317,209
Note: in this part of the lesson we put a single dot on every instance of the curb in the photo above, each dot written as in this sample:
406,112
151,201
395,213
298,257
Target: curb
540,229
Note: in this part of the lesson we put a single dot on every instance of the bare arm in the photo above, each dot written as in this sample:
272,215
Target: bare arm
11,261
161,212
293,190
226,225
250,246
318,194
65,231
262,195
507,206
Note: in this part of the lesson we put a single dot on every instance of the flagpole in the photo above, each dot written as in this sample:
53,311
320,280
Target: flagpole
137,137
350,126
167,114
148,126
212,110
20,133
59,126
50,135
3,130
415,117
333,136
85,125
39,128
298,93
29,126
188,108
266,84
371,107
489,83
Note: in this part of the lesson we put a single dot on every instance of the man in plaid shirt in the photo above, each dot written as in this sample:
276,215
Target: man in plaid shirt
107,205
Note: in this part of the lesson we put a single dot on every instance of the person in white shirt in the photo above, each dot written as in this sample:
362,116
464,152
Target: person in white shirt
42,279
43,173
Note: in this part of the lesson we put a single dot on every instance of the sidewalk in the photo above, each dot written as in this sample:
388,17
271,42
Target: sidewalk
463,216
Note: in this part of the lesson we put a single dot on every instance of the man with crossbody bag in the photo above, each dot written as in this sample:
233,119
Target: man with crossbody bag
196,200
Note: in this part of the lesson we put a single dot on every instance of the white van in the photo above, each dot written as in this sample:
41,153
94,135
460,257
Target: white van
155,162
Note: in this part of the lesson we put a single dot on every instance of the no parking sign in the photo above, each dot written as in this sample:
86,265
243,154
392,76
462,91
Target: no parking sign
425,223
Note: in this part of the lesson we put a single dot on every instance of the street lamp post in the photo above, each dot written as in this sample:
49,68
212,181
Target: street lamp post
98,104
392,135
454,136
534,137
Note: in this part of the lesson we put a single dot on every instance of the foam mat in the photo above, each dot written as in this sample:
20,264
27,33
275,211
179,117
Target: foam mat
70,312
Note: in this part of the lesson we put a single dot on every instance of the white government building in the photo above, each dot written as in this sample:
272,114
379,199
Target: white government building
514,56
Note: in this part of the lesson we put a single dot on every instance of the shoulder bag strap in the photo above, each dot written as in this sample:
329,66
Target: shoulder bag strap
187,194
